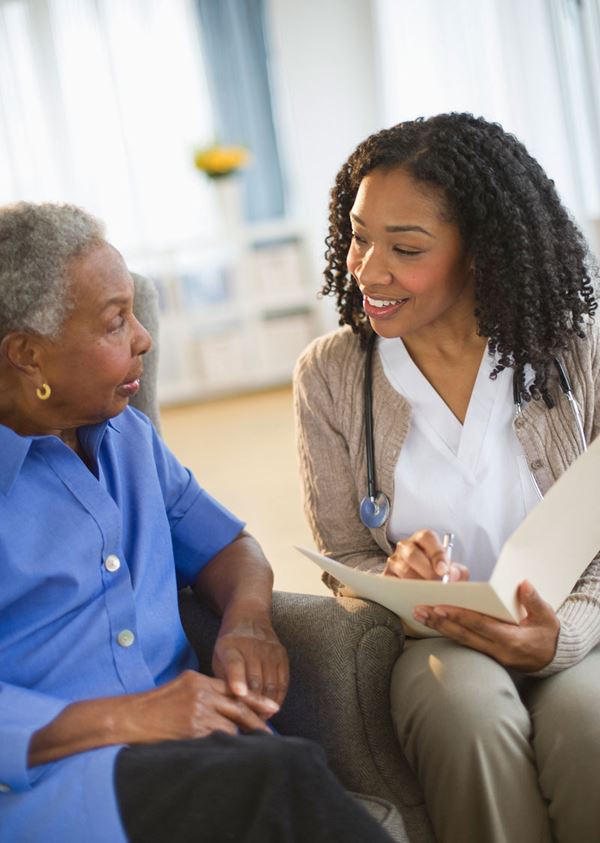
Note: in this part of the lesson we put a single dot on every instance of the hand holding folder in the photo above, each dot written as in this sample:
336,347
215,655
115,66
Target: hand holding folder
551,548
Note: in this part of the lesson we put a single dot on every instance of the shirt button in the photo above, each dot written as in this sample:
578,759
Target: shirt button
125,638
112,563
535,465
4,788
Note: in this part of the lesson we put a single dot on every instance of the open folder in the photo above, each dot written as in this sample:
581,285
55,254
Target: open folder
551,548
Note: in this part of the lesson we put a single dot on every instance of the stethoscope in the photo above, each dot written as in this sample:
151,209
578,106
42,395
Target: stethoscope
374,508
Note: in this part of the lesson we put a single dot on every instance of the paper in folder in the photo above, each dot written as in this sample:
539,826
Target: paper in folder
551,548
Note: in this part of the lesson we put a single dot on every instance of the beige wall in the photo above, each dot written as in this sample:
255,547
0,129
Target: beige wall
242,451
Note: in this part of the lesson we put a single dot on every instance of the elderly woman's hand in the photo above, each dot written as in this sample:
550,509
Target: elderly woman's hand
422,557
528,646
190,706
249,656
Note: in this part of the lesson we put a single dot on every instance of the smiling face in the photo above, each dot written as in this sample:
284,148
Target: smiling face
410,264
94,366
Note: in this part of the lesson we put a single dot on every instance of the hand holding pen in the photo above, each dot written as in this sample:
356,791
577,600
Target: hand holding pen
422,556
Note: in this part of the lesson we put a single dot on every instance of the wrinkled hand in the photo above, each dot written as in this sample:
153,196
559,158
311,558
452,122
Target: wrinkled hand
249,657
422,557
527,646
191,706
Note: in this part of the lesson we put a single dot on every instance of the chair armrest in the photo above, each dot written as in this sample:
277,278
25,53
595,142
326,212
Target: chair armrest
342,652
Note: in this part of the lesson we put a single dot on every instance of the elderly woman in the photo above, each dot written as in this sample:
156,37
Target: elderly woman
101,703
466,297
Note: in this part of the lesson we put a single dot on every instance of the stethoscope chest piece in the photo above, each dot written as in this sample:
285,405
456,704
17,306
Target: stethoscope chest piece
375,510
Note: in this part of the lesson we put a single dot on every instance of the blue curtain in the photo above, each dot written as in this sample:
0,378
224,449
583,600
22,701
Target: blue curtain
235,46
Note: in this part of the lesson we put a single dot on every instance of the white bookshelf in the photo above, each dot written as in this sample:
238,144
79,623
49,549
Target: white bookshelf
235,312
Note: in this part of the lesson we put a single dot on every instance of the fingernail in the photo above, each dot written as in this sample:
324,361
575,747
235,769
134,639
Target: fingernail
421,615
271,705
440,612
240,689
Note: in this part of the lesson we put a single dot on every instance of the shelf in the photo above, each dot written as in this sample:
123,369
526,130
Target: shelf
235,314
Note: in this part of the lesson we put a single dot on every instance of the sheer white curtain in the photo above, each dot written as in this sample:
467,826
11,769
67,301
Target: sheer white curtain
102,103
576,27
506,60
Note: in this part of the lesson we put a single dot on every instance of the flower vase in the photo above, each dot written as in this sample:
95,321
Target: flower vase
228,192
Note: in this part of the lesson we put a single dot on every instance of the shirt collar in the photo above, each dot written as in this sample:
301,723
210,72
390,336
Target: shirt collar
15,448
13,451
91,436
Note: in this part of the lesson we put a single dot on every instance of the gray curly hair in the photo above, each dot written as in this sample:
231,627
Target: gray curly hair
37,241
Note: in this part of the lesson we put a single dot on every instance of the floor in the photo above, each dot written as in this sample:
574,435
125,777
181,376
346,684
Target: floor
242,451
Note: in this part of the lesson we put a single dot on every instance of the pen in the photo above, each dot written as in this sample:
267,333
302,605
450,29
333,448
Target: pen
447,544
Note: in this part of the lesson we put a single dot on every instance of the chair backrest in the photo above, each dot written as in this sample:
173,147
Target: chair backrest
145,307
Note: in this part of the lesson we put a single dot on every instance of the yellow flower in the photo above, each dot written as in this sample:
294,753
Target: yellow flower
218,161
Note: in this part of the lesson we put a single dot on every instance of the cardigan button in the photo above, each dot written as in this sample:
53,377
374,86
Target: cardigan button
519,423
4,788
535,465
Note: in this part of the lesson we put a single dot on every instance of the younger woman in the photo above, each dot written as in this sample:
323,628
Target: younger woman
458,270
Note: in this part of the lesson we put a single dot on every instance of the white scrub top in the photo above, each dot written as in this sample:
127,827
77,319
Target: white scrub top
470,479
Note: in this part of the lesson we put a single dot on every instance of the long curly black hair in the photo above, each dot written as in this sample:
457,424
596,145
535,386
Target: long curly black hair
533,271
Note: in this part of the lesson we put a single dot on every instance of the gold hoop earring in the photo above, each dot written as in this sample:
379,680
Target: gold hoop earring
43,392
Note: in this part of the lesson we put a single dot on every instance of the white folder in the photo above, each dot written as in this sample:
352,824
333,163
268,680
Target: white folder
551,548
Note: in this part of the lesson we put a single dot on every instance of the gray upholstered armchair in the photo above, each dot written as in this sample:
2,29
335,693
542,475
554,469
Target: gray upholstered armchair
341,651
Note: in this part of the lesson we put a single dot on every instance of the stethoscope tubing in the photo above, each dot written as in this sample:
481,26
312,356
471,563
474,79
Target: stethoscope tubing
368,404
375,507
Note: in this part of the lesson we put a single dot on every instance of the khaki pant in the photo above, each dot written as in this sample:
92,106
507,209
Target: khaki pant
500,758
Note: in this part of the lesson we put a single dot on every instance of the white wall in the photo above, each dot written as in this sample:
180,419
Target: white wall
326,101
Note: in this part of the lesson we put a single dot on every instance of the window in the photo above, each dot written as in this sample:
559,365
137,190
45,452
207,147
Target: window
102,103
576,27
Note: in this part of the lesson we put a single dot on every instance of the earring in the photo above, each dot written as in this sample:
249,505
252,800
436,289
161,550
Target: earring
44,392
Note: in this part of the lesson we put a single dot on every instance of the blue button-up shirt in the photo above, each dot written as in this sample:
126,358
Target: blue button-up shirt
90,565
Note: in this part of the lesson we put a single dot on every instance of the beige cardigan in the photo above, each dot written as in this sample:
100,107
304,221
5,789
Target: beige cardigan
328,400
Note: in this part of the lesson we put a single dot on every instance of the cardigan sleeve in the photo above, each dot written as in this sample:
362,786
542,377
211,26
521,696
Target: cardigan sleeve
328,482
579,615
579,619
